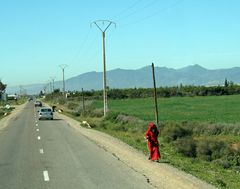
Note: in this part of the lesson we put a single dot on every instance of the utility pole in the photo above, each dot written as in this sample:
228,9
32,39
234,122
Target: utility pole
83,103
50,86
52,78
155,95
103,28
63,66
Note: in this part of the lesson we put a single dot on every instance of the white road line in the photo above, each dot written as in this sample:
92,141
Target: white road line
39,137
41,151
36,124
37,129
45,176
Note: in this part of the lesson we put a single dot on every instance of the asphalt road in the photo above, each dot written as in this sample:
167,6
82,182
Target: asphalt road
50,154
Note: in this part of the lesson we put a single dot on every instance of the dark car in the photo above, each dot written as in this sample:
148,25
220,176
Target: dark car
38,104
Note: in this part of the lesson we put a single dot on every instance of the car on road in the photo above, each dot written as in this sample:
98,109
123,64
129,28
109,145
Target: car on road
45,113
38,104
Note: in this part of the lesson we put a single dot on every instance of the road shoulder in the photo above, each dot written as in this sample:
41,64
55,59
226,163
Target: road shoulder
13,115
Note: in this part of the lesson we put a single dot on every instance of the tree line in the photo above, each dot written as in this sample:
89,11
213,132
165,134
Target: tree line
229,88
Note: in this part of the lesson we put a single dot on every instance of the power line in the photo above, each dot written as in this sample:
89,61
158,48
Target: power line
138,10
82,45
161,10
126,9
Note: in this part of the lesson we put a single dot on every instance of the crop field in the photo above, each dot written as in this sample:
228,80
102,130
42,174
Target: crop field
215,109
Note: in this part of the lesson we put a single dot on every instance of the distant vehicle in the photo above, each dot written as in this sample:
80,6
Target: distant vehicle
45,113
30,99
12,96
38,103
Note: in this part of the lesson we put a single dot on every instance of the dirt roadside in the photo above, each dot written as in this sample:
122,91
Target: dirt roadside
4,121
159,175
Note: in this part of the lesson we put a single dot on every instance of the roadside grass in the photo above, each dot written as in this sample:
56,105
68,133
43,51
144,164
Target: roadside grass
5,111
128,120
208,171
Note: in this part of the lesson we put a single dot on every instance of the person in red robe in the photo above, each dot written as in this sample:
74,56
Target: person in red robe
153,145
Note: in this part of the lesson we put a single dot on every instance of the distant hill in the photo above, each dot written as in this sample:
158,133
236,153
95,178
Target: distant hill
123,78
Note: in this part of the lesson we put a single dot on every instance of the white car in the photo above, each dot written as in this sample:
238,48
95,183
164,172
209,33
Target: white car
45,113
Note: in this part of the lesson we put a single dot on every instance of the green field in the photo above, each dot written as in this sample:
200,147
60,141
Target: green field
224,109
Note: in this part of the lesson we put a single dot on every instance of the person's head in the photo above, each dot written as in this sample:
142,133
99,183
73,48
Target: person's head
151,124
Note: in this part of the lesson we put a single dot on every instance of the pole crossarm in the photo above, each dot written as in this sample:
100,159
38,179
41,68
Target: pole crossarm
63,66
106,23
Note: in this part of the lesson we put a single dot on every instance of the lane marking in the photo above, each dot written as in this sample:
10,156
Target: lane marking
39,137
45,176
41,151
37,129
36,124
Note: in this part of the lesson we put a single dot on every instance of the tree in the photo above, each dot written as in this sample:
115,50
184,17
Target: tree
2,89
226,83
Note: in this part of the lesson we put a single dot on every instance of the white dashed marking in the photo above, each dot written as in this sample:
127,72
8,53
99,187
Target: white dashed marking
37,129
41,151
36,124
39,138
45,176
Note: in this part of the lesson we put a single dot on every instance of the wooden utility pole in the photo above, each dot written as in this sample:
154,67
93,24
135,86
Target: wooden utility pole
83,104
155,95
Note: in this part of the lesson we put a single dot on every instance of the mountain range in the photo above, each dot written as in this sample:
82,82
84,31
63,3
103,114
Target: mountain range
124,78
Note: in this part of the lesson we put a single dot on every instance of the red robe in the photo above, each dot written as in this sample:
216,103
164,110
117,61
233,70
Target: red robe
153,145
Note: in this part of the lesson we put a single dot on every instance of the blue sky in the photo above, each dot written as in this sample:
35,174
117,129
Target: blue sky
36,36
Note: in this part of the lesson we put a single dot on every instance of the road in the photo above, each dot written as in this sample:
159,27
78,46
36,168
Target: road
51,155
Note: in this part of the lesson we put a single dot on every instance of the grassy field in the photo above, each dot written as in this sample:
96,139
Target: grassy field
223,109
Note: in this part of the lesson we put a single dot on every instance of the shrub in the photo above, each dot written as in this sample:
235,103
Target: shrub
210,149
173,132
221,183
97,113
72,105
186,146
222,162
61,100
111,116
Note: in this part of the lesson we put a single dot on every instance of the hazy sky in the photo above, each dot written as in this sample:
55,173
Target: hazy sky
36,36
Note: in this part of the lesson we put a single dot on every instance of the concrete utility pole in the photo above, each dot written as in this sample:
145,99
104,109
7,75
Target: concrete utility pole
105,24
155,95
63,66
52,78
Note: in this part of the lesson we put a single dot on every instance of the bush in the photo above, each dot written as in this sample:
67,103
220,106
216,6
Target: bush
172,132
186,146
112,116
209,149
61,100
221,183
222,162
72,105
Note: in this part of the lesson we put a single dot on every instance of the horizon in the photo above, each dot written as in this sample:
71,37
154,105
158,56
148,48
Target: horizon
37,37
123,69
